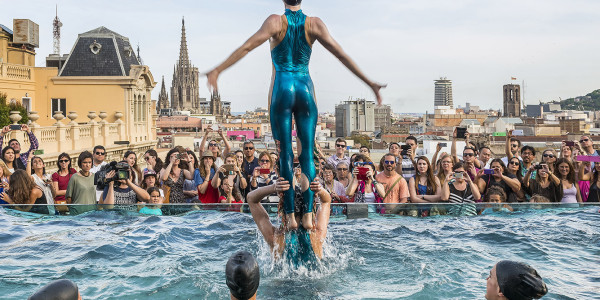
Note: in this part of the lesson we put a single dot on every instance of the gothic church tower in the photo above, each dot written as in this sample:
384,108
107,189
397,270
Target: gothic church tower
163,98
184,87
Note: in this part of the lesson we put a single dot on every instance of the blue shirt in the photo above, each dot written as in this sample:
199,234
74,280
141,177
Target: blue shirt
198,178
151,211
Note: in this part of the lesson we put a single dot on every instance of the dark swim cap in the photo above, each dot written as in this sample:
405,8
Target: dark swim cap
242,275
292,2
63,289
519,281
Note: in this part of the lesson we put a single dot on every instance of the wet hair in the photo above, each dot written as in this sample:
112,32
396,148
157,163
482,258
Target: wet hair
63,289
519,281
495,190
82,156
21,185
242,275
159,163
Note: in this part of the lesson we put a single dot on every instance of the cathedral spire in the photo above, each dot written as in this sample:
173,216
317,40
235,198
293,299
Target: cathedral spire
163,91
183,50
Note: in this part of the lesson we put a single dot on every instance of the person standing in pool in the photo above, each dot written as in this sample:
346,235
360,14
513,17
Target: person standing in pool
299,245
291,36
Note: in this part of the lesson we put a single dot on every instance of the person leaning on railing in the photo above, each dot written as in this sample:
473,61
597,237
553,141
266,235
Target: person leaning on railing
264,174
499,177
365,189
566,172
190,189
20,157
37,169
60,178
81,188
395,187
424,187
24,193
235,179
545,184
458,188
123,192
175,172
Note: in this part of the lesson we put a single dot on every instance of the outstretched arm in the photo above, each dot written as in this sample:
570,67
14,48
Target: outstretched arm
270,27
319,31
259,214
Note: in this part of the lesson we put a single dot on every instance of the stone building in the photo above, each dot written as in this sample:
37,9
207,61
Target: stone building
163,98
184,87
512,100
360,115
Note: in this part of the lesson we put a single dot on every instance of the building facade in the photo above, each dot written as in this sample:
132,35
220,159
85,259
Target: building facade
163,98
512,100
354,115
443,92
184,87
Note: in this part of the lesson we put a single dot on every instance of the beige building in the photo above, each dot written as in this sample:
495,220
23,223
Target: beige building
101,77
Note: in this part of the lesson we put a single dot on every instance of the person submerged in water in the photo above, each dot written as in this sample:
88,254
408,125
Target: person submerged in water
514,280
297,244
291,38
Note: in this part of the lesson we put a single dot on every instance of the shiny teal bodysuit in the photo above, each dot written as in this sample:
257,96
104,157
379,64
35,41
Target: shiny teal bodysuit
298,249
293,95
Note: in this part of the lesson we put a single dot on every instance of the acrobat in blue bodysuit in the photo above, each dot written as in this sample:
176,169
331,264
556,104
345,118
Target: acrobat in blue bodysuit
293,95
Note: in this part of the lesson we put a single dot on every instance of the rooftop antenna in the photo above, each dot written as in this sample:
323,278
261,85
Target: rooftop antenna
57,24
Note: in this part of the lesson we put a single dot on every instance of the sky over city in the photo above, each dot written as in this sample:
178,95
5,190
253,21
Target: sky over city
551,45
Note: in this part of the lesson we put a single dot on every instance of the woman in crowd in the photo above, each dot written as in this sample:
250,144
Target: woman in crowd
24,192
81,188
445,167
365,189
423,186
175,173
207,192
565,171
153,161
264,174
500,177
4,176
232,173
335,189
549,157
136,175
593,180
342,174
60,178
8,156
214,147
228,195
190,189
150,180
124,193
37,169
239,155
514,168
545,184
458,188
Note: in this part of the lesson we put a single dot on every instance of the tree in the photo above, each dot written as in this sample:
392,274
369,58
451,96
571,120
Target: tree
362,139
6,108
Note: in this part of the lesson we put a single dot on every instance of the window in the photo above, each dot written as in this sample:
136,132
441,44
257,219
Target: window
58,105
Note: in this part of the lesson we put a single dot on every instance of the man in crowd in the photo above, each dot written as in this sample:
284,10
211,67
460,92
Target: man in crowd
513,145
528,158
469,160
396,189
98,160
485,157
587,145
339,156
242,276
249,164
21,162
408,158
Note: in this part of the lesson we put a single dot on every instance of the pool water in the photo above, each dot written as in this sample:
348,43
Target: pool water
121,255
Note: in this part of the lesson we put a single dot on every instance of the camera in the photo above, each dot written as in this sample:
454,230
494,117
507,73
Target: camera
538,167
121,173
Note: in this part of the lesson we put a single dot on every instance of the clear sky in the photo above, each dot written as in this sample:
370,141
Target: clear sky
552,45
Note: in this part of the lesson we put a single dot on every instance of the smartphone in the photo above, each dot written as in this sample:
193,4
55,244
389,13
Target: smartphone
517,132
265,171
362,173
443,144
15,127
458,175
215,127
538,167
569,143
488,171
588,158
460,132
229,169
38,152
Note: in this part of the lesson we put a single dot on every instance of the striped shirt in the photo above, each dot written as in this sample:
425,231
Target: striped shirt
408,168
464,204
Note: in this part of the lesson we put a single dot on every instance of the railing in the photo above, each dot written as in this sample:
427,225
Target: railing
12,71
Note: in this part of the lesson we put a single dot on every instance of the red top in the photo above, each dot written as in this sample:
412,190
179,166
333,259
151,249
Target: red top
231,207
211,195
63,182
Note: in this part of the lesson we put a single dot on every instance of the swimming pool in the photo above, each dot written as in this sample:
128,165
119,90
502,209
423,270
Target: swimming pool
120,255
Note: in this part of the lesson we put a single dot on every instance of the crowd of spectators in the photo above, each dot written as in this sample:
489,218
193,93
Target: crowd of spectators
221,175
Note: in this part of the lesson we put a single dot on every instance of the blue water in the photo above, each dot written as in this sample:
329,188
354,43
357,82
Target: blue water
117,255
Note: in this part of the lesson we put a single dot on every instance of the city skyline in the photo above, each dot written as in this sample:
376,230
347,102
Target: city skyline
479,46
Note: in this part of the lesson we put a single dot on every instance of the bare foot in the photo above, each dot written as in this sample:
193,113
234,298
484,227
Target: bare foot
307,221
291,222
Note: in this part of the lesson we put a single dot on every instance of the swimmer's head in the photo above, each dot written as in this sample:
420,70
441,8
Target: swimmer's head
514,281
63,289
242,275
292,2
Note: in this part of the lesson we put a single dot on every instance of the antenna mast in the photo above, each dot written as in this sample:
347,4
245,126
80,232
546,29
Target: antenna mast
57,24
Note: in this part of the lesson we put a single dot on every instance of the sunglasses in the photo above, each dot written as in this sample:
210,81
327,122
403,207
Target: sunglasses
584,140
63,160
100,153
342,169
264,161
364,163
248,148
340,145
212,145
514,163
389,162
468,154
548,155
514,145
